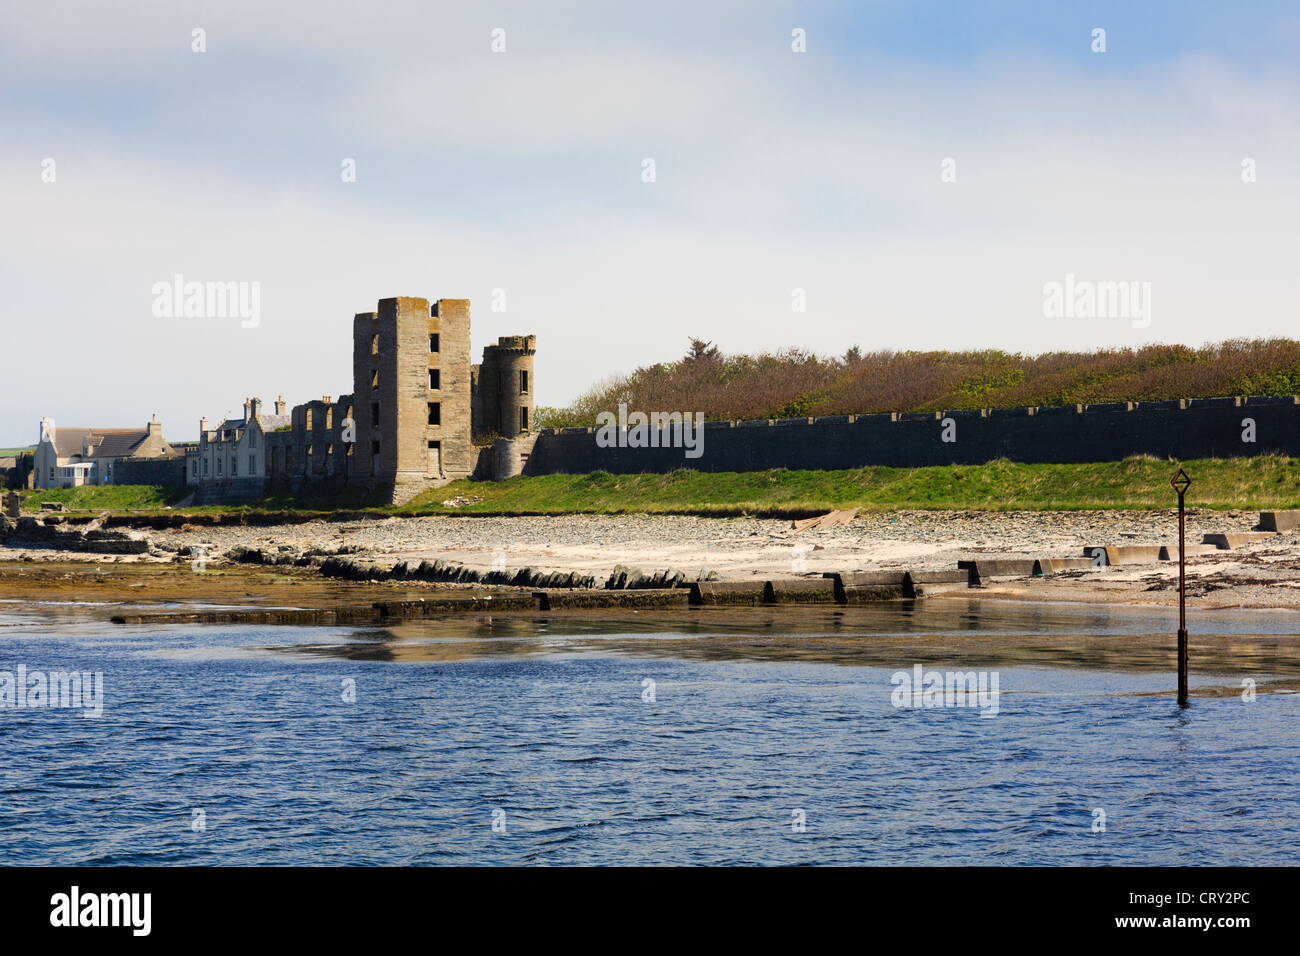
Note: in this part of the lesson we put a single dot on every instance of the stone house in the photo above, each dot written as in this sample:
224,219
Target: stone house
230,460
70,457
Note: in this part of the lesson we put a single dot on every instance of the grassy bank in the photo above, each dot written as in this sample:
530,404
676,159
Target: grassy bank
107,497
1136,483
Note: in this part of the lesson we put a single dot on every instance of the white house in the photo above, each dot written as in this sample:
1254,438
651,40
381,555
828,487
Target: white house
69,457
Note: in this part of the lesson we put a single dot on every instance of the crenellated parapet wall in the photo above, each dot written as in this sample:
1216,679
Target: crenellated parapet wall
1180,429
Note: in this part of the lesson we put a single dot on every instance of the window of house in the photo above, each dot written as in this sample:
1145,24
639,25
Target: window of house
433,341
252,439
374,414
435,413
218,466
374,345
374,378
329,417
252,464
435,378
523,418
234,467
523,382
374,447
205,466
309,418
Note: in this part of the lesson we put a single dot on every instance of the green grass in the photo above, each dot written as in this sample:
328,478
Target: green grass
107,497
1265,482
1136,483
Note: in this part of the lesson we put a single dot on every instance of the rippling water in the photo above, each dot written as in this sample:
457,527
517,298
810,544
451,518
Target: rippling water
755,716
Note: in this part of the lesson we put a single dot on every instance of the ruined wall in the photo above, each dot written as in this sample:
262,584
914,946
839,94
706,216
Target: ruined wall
20,473
449,319
504,387
507,457
1184,429
365,359
167,472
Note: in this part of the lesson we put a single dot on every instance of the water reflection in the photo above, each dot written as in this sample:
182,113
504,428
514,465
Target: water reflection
970,634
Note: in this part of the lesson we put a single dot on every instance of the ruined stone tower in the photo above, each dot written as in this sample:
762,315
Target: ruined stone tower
416,403
410,370
502,387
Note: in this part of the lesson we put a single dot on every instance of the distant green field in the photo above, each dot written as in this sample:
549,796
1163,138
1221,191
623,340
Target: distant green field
1265,482
15,452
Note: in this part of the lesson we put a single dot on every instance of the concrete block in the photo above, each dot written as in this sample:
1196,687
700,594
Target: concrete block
1046,566
864,578
1225,542
550,600
871,593
799,591
863,587
727,592
1115,555
1279,521
921,583
982,570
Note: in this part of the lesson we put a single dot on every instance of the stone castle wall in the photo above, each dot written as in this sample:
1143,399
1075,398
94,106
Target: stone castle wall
1183,429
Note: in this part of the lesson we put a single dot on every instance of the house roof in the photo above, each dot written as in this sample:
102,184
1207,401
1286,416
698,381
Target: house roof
106,442
270,423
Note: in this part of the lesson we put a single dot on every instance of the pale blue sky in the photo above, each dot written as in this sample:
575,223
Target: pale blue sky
522,171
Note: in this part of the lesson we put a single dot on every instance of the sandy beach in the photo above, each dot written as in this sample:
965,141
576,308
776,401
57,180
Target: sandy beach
1263,574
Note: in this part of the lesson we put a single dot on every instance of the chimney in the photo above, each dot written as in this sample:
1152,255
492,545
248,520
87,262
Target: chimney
326,399
47,430
279,405
248,411
257,407
203,425
155,426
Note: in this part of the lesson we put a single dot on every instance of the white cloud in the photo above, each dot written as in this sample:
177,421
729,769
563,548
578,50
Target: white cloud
522,172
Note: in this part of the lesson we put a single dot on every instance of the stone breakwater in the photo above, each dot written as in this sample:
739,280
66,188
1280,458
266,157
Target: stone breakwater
450,572
56,534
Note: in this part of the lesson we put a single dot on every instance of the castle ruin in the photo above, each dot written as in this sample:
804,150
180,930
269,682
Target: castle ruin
419,415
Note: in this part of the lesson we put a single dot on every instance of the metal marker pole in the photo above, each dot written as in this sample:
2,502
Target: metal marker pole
1180,483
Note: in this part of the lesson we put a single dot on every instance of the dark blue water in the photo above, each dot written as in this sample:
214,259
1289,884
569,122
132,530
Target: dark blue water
755,717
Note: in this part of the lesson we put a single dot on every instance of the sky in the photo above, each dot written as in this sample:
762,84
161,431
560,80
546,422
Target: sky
915,178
